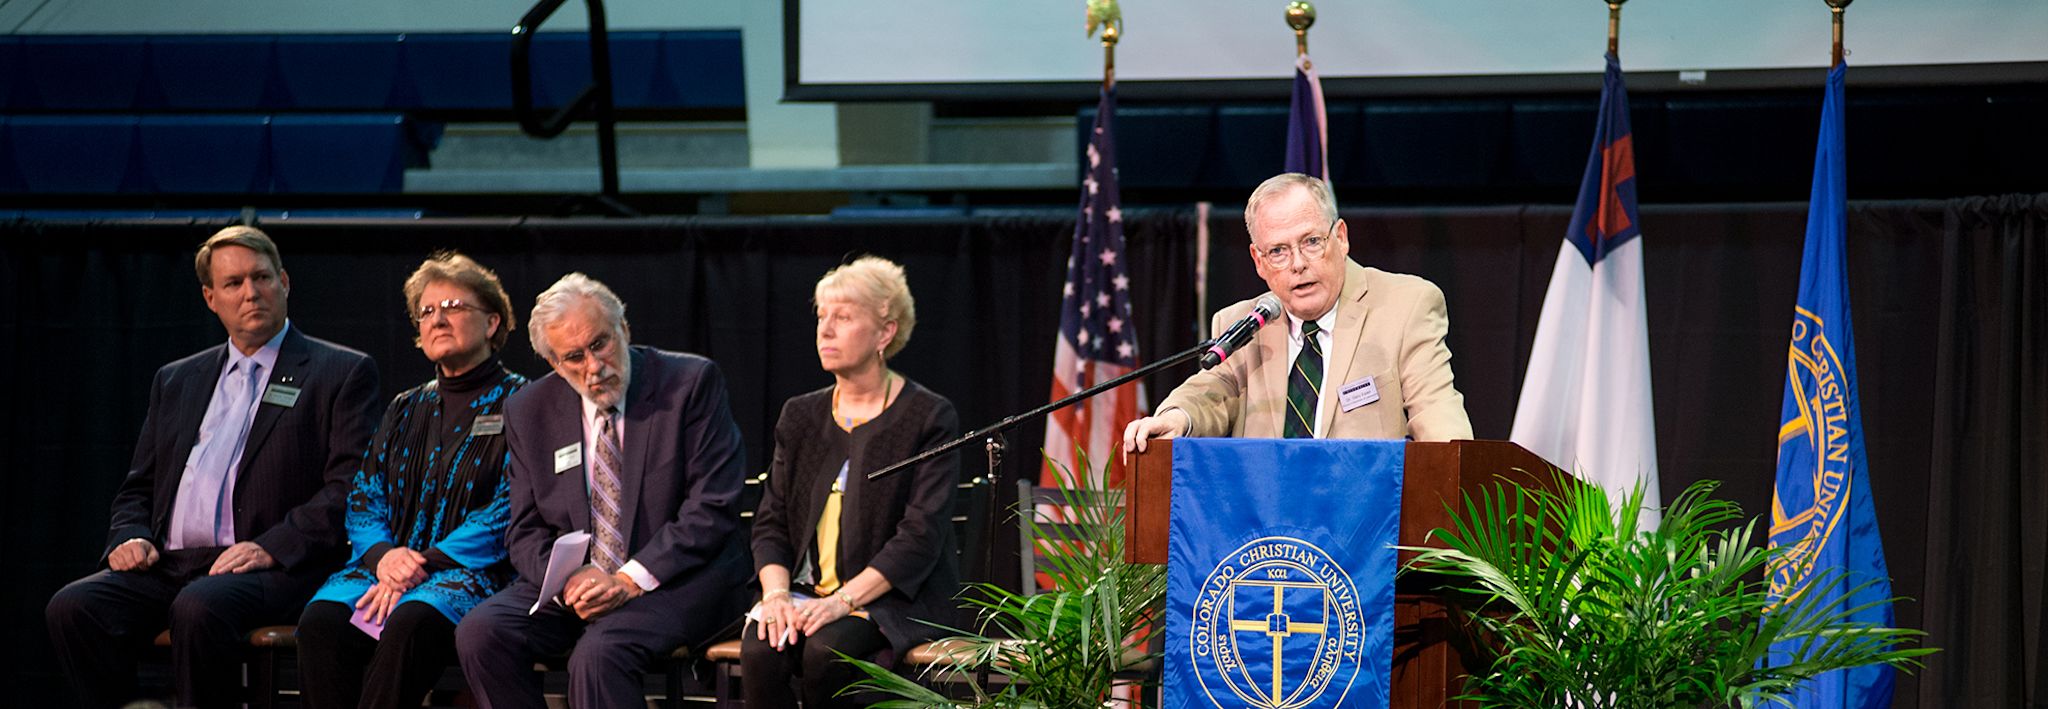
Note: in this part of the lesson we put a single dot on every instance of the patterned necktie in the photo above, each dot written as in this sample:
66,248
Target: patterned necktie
610,552
1304,384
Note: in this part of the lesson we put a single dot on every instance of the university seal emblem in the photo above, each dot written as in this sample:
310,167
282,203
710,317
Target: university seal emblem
1276,626
1814,439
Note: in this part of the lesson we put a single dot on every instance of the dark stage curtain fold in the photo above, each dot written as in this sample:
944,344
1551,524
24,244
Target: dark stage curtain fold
1948,298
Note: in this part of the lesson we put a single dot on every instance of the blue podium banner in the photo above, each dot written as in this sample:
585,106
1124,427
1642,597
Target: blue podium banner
1280,573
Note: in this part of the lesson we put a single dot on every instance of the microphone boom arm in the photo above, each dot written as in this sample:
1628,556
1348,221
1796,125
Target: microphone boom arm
1013,421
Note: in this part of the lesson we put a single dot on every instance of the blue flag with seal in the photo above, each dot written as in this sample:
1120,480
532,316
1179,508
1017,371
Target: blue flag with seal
1821,509
1280,573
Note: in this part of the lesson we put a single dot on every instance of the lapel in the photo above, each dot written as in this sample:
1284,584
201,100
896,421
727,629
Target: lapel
1268,419
1344,340
292,355
564,431
636,444
193,392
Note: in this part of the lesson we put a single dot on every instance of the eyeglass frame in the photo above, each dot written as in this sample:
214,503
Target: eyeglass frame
1288,250
597,348
427,311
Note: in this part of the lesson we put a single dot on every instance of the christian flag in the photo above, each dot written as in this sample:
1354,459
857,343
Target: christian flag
1586,398
1308,128
1821,509
1097,341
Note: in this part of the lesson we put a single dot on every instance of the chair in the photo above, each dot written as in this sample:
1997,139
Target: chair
971,519
272,648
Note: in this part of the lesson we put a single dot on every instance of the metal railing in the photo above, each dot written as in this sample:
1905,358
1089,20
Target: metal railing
595,98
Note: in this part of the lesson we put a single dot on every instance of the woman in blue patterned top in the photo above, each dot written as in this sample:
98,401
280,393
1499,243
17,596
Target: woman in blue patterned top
428,512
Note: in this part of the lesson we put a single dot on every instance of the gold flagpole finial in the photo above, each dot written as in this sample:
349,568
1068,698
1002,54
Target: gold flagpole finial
1614,27
1836,7
1300,15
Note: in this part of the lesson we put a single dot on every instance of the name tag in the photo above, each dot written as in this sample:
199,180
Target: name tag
281,395
1358,392
489,425
568,456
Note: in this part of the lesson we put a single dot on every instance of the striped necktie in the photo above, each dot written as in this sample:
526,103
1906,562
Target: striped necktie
1304,384
610,551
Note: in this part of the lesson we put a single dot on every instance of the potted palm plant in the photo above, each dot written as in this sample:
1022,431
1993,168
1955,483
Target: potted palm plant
1062,648
1576,606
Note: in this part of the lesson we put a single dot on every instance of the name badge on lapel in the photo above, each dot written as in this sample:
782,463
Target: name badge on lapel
568,456
489,425
1358,392
281,395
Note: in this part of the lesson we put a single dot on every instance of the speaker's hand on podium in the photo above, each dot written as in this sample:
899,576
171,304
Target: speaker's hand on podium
1171,423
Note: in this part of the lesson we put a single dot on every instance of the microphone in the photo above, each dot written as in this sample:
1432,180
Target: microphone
1220,348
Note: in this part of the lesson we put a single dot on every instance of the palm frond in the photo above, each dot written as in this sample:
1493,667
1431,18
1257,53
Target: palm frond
1581,607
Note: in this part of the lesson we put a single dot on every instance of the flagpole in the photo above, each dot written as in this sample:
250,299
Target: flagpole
1836,7
1614,26
1300,15
1110,34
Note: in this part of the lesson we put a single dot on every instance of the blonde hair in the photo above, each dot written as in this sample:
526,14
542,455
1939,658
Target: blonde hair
453,268
247,237
878,284
1326,201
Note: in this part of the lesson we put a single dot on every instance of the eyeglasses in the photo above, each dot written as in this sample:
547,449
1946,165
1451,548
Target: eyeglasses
1311,248
447,307
599,348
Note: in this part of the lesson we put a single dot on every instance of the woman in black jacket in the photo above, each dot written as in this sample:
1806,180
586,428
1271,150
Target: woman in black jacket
848,564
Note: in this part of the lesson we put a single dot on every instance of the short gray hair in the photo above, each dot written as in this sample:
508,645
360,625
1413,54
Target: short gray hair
571,289
1326,201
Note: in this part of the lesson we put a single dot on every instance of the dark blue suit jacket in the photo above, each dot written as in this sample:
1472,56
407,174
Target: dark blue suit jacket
296,466
684,466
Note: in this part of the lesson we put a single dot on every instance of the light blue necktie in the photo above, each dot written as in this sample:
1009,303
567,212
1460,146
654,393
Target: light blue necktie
203,492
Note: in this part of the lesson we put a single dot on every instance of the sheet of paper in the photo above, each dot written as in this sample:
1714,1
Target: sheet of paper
567,557
361,620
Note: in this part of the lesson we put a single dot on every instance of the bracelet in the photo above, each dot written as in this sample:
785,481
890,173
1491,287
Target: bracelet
847,598
772,594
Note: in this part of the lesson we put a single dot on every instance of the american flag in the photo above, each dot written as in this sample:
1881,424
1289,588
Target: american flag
1097,341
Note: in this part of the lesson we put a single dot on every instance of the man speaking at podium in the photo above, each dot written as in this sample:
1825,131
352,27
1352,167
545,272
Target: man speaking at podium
1360,354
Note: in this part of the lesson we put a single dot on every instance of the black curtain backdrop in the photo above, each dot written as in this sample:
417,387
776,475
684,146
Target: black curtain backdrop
1948,301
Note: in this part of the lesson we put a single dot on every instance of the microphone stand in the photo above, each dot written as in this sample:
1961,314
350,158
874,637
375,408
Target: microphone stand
992,435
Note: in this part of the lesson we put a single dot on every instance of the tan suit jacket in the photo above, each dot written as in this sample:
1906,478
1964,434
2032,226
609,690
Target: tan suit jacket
1390,326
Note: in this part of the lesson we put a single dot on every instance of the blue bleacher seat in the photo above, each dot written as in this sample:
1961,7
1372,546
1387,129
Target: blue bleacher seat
1254,141
702,69
10,56
1179,139
74,154
87,73
206,154
1473,159
561,68
634,69
216,72
10,181
460,71
339,72
339,153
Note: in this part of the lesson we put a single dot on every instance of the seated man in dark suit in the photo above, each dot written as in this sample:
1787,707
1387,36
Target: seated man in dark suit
230,515
638,447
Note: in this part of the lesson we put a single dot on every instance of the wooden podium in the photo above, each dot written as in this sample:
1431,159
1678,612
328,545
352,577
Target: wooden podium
1426,667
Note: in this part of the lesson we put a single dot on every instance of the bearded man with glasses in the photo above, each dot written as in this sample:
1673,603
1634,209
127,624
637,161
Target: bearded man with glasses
1361,353
638,447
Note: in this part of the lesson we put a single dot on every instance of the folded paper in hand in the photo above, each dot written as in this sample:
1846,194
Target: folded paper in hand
570,551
